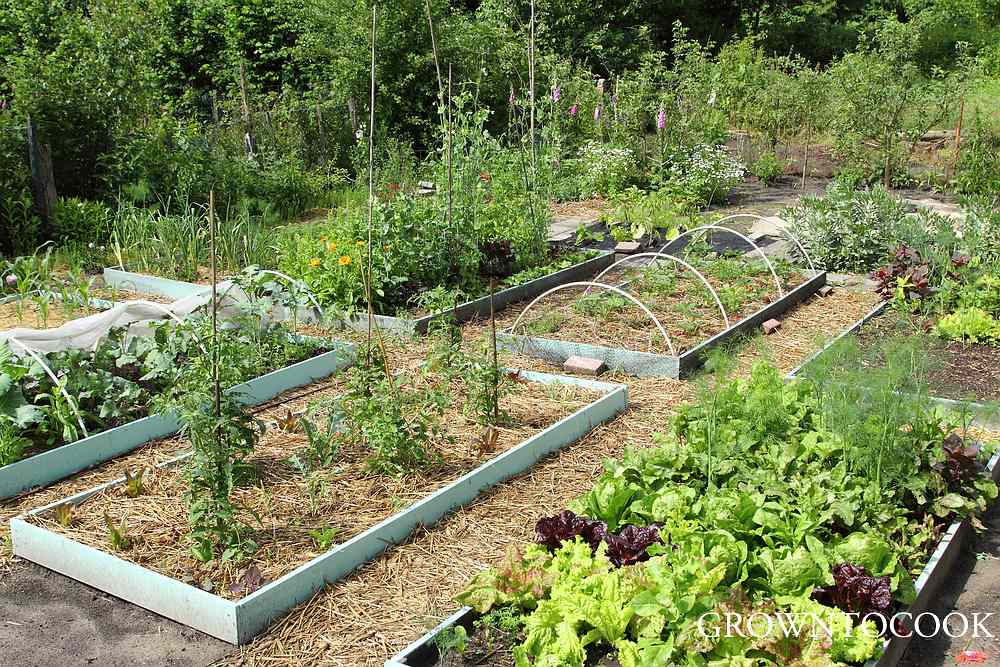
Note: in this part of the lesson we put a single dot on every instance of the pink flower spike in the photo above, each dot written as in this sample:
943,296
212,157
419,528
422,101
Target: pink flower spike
971,656
573,110
661,119
597,113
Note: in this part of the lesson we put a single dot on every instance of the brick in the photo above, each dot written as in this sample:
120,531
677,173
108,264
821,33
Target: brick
584,366
825,290
628,247
771,326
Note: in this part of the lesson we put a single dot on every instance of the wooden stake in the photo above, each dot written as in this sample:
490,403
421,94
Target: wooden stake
434,50
371,181
958,136
496,365
217,398
43,183
248,139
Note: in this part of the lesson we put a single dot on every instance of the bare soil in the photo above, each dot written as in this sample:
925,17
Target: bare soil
47,619
958,371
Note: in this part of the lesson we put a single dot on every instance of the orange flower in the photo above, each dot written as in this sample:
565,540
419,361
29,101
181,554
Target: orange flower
331,246
314,262
344,260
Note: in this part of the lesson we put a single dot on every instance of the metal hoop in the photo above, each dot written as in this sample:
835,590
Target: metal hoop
774,274
62,387
616,290
781,225
680,261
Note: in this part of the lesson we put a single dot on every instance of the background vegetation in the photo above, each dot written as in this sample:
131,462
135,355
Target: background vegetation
150,104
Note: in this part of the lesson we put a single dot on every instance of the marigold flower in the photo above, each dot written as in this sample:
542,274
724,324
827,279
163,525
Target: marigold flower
345,260
331,246
314,262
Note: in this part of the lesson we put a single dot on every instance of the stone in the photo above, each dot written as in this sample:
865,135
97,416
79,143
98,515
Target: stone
584,366
628,247
771,326
825,290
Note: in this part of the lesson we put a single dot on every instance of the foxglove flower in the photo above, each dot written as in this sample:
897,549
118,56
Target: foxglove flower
556,93
573,110
512,99
597,113
661,119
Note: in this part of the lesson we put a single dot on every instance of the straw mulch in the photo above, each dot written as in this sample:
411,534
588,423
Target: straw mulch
146,457
367,617
286,505
687,312
30,316
58,314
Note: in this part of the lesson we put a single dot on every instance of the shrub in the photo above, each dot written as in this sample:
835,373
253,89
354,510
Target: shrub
699,176
978,168
18,224
767,168
605,170
855,231
81,221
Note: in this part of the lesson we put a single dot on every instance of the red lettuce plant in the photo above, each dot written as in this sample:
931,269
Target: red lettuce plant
961,465
907,276
626,547
855,591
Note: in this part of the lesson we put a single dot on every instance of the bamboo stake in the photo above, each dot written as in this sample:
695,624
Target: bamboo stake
217,398
371,181
434,50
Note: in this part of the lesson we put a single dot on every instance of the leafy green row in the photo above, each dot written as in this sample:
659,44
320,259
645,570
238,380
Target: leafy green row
765,505
124,378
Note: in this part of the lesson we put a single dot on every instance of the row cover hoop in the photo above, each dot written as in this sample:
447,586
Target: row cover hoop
611,288
774,274
715,296
780,224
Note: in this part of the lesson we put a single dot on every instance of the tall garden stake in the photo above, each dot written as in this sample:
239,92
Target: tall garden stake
371,182
216,388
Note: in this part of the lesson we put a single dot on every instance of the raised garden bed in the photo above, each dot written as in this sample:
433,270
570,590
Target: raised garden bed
415,323
961,374
291,562
140,283
588,321
480,308
114,387
532,574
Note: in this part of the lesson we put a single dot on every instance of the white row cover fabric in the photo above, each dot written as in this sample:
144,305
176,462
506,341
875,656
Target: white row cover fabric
87,332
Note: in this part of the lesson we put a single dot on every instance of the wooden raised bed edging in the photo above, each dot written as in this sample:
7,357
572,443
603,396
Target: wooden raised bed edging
239,621
138,282
649,364
141,283
424,652
60,462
